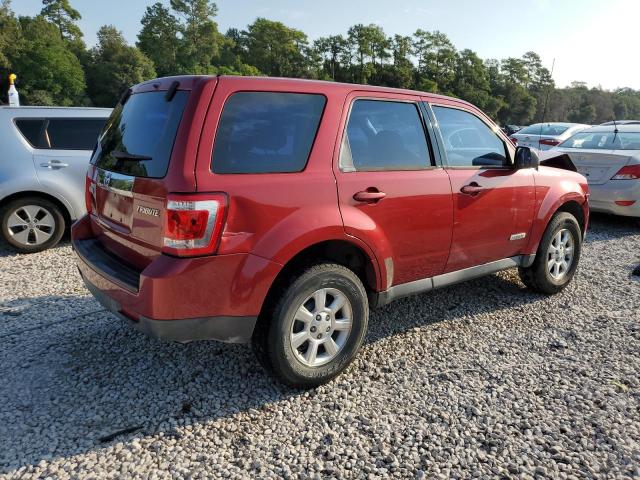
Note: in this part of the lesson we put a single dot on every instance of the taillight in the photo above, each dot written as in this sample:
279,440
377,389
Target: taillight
89,193
552,142
194,224
630,172
625,203
514,141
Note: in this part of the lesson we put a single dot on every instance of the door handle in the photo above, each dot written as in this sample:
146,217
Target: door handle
472,189
370,195
54,164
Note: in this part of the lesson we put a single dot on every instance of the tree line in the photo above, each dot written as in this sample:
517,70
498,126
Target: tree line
55,67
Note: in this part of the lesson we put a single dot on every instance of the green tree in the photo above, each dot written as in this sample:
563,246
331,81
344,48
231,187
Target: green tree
50,74
471,81
115,66
437,59
10,35
332,50
275,49
64,17
200,40
158,39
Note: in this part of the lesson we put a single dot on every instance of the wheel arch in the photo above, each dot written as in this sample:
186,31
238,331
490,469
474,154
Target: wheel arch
341,251
60,203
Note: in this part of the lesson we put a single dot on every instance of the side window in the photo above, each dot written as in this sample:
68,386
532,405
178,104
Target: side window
30,129
468,141
384,135
266,132
73,133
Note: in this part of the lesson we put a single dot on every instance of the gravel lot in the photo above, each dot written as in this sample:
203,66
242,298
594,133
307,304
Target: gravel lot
479,380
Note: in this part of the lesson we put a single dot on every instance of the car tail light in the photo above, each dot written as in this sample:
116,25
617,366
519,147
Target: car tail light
194,223
514,141
625,203
630,172
552,142
89,193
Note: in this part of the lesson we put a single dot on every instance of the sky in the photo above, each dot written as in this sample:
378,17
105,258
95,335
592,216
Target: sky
594,41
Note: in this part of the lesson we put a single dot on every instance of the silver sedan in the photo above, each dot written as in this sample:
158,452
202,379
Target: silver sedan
609,157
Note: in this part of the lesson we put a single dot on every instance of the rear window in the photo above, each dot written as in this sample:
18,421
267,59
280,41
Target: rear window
139,136
266,132
604,141
548,129
61,133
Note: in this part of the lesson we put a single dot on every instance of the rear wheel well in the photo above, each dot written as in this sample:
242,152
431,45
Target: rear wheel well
63,209
574,209
333,251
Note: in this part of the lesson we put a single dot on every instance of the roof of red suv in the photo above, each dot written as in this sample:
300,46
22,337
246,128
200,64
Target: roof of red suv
188,82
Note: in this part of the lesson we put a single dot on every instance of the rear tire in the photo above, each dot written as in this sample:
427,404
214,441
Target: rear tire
31,224
316,328
557,256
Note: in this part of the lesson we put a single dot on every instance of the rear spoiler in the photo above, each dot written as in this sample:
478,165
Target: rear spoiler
562,161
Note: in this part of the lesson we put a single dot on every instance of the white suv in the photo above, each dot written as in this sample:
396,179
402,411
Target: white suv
44,156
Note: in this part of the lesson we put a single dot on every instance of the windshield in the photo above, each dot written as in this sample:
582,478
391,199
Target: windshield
139,136
546,129
604,141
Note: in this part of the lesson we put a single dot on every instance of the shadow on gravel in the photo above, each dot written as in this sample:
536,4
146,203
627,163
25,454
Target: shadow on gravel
609,227
76,383
7,250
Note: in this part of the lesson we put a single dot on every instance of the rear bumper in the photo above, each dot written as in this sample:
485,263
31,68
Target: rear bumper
224,329
603,197
181,299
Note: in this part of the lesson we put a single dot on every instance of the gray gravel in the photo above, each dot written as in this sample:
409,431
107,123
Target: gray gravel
479,380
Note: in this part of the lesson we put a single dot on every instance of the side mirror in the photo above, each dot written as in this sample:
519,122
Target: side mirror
526,158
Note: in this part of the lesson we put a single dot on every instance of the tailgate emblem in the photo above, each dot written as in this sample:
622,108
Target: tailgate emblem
154,212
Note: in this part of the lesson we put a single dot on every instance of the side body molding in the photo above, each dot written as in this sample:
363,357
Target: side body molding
451,278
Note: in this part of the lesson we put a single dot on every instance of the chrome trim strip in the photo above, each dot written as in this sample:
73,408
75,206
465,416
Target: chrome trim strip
114,182
446,279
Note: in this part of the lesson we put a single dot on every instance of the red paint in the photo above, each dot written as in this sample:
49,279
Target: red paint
408,224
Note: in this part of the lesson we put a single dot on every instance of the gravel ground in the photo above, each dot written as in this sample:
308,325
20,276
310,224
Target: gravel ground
480,380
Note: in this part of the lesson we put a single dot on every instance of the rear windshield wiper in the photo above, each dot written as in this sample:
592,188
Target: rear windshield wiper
130,156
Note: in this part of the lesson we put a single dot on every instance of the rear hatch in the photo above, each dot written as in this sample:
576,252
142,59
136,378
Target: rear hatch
598,166
129,179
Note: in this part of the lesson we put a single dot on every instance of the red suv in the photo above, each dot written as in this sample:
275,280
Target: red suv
279,211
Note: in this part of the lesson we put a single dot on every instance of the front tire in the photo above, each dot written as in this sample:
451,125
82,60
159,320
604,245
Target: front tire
31,224
557,256
316,328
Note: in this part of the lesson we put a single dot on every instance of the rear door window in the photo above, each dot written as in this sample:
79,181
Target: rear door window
72,133
61,133
30,128
139,136
266,132
384,135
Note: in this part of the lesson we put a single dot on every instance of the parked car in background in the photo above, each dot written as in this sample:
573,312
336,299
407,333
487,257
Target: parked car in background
544,136
43,164
278,211
511,129
609,158
622,122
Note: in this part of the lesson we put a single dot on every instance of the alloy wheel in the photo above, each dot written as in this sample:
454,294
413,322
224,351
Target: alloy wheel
560,254
321,327
31,225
